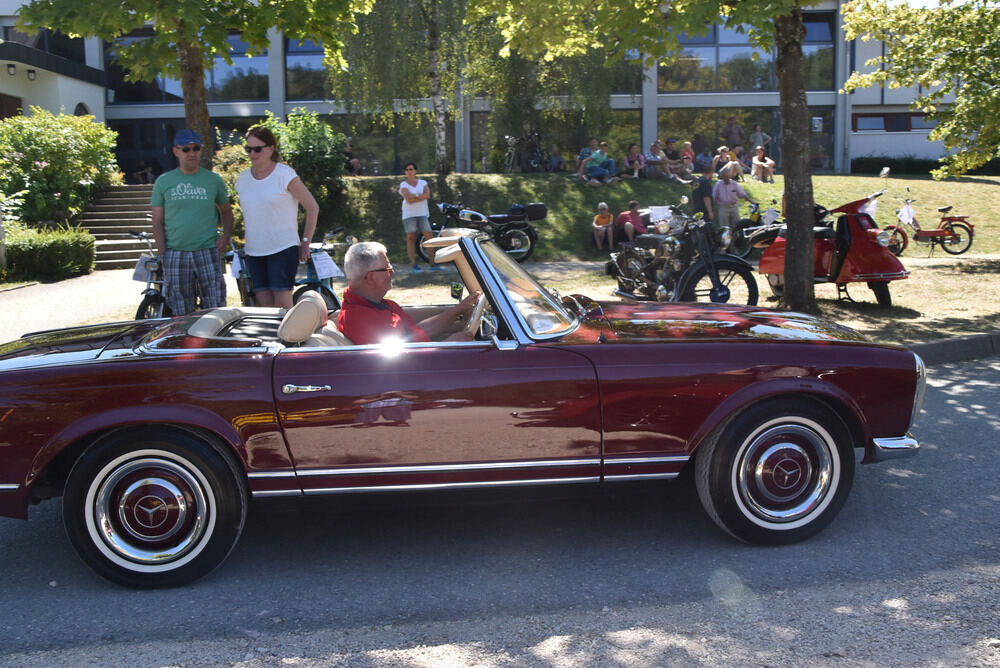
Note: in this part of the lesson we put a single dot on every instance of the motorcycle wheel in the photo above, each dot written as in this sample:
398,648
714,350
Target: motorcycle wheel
882,295
740,246
736,277
897,239
960,241
153,306
517,243
332,303
777,284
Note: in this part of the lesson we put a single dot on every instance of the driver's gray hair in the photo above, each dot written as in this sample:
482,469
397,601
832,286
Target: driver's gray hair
361,258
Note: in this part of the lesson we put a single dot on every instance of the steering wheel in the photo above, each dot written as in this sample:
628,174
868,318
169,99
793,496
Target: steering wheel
472,327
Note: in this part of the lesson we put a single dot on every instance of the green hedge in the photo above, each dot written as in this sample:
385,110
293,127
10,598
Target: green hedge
49,255
913,165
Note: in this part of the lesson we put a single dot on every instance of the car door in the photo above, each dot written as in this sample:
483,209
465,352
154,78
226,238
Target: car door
447,414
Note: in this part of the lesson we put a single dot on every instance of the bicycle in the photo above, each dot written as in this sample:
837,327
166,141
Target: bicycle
149,269
317,273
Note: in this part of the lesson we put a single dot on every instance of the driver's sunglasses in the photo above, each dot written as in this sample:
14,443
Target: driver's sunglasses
255,149
388,269
188,149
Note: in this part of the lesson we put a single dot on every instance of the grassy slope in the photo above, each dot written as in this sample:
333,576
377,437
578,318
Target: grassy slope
375,208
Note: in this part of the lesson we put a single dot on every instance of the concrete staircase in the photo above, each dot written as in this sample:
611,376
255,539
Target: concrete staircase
116,211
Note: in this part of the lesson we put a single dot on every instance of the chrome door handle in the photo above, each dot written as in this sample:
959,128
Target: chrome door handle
292,389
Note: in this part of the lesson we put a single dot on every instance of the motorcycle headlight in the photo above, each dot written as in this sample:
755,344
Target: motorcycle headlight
152,265
725,237
668,247
882,238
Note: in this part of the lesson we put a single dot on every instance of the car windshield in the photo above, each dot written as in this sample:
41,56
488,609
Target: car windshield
541,311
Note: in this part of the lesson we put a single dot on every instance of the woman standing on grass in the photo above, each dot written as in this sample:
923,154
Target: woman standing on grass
270,193
416,214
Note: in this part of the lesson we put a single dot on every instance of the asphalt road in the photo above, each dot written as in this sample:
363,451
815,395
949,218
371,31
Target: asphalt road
907,575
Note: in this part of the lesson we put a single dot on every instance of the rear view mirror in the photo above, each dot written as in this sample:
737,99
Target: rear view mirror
884,173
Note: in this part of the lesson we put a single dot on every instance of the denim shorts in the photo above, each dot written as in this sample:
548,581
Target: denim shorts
275,271
417,222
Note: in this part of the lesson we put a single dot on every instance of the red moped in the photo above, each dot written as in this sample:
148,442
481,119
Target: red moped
954,233
850,249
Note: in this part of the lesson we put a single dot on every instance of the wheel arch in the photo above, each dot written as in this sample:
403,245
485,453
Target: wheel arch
841,404
52,464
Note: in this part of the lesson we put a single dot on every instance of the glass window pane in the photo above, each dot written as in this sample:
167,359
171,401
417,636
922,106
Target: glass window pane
869,122
306,78
818,65
707,38
693,69
739,71
732,36
918,122
819,27
245,79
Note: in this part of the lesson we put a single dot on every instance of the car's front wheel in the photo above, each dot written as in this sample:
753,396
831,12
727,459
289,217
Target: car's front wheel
778,472
154,508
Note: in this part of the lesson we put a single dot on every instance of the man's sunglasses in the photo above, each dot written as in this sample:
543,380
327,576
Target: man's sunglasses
188,149
389,269
255,149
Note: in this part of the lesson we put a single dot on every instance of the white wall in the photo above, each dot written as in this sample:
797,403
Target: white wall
52,91
895,145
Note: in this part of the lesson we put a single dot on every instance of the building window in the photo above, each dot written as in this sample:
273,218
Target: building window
890,122
49,41
305,75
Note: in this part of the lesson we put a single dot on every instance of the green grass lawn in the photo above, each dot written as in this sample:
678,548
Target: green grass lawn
564,235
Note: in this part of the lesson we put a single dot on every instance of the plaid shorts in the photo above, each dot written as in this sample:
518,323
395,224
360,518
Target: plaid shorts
192,274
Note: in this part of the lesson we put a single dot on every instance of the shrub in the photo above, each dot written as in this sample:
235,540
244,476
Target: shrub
49,255
59,161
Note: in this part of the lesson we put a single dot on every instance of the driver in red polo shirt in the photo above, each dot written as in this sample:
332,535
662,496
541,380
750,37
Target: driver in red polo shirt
367,317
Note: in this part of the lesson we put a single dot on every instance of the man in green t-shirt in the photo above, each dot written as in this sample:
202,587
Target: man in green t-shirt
188,204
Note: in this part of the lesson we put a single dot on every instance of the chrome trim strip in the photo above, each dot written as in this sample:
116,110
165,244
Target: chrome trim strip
276,492
456,485
450,468
899,447
10,487
671,459
254,350
640,476
262,475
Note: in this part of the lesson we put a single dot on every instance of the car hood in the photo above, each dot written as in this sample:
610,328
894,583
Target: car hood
75,344
647,321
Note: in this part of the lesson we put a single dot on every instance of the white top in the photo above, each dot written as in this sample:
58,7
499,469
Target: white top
417,208
270,213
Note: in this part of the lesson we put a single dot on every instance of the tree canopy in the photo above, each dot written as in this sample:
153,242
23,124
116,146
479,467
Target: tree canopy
949,54
187,35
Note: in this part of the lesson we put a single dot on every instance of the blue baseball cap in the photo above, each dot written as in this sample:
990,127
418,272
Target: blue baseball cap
185,137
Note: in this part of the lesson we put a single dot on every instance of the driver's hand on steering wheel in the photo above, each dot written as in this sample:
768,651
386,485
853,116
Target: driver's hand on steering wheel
464,307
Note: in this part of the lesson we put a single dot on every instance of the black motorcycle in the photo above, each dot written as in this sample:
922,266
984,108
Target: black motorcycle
685,260
512,231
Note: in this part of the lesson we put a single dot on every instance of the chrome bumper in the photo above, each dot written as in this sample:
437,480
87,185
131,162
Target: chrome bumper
899,447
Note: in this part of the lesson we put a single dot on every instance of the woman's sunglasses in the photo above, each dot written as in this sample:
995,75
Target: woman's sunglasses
255,149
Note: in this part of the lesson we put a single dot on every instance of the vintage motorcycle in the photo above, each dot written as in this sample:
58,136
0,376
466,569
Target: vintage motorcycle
683,260
850,250
512,231
755,219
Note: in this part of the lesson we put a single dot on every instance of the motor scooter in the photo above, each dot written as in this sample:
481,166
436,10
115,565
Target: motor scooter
953,233
850,250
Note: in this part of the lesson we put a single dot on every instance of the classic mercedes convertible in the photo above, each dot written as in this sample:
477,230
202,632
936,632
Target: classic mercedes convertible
157,434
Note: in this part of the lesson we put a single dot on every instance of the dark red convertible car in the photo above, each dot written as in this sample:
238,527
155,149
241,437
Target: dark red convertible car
158,433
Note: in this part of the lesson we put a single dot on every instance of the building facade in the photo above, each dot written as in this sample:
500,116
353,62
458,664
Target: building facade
716,76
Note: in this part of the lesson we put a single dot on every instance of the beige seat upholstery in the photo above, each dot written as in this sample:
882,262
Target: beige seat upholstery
214,321
303,319
329,335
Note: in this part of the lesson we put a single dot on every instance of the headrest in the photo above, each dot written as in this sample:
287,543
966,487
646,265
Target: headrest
302,320
314,296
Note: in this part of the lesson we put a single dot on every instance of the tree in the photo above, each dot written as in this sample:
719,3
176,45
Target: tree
949,50
189,34
566,27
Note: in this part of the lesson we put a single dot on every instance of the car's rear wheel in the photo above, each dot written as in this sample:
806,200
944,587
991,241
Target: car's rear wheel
154,508
778,472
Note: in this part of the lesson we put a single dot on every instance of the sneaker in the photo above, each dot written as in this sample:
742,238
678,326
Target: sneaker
416,269
614,179
593,182
436,267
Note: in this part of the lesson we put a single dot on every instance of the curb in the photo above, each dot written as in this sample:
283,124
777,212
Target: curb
958,349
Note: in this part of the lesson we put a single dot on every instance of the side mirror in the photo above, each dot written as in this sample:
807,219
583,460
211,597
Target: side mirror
684,199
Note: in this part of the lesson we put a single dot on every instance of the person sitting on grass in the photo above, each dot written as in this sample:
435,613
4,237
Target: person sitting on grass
629,223
603,227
